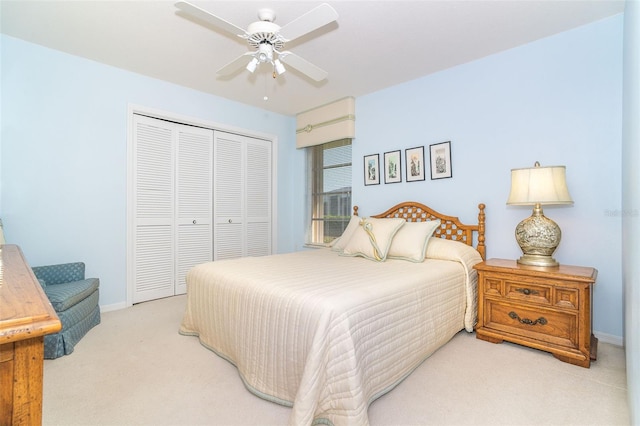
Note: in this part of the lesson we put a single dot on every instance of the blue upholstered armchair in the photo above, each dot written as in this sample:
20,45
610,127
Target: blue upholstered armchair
75,300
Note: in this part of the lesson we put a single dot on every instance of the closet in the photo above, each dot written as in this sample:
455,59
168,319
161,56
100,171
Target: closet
196,194
241,196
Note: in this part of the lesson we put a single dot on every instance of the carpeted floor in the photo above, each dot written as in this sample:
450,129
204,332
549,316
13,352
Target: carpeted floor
135,369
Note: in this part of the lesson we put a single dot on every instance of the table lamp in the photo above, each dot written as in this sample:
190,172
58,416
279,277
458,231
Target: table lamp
538,236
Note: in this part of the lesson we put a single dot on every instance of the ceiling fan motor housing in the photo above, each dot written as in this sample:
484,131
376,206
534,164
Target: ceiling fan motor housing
264,32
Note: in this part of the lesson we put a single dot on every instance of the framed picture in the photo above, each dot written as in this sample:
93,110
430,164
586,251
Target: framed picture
414,160
372,169
392,167
440,154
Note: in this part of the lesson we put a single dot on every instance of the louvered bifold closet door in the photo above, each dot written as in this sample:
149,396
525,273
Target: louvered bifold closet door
172,205
258,196
228,196
153,251
194,201
242,195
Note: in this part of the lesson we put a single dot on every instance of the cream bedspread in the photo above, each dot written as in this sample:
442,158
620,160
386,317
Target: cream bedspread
328,334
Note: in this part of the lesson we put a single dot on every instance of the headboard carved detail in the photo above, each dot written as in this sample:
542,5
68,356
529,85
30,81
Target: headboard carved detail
450,228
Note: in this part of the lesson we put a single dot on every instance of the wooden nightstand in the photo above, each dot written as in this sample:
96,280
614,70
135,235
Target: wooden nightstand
543,308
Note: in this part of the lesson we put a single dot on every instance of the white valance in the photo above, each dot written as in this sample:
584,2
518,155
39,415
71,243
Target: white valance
327,123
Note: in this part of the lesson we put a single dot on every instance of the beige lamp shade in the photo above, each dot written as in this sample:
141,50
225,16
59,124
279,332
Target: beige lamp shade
539,185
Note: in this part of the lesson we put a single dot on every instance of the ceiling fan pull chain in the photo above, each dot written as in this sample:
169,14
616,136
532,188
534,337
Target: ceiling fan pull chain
266,97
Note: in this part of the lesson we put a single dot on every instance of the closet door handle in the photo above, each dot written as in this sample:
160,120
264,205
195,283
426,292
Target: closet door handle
194,221
230,221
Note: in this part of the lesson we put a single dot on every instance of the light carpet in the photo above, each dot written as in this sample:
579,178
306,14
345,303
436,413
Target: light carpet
135,369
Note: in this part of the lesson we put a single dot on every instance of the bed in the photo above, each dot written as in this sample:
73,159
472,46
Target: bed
327,331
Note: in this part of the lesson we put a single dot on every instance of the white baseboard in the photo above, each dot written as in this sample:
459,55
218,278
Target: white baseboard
609,338
114,307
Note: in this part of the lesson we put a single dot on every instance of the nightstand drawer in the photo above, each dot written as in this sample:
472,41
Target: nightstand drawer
530,292
560,328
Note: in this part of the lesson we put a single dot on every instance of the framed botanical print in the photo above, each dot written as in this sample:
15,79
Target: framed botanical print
392,167
440,154
372,169
414,160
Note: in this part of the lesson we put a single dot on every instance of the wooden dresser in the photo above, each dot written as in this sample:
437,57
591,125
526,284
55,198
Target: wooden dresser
25,317
543,308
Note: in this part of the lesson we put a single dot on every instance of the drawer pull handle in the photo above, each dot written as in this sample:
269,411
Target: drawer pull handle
541,320
527,291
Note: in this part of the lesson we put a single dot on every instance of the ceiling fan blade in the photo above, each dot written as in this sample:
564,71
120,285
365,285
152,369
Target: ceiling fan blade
238,63
210,18
303,66
312,20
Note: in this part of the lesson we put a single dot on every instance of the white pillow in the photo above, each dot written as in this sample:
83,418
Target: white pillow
410,242
439,248
340,243
372,238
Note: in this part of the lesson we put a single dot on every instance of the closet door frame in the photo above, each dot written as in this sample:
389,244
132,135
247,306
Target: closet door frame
171,116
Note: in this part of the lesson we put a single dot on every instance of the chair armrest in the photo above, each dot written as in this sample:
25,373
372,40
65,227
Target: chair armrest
58,274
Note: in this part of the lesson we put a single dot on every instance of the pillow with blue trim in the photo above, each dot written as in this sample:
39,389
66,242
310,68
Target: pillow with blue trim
373,237
410,242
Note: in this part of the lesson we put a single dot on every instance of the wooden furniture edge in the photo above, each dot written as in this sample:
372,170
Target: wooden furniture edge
575,273
571,356
19,292
26,315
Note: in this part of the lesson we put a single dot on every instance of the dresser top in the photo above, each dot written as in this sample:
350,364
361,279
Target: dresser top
576,273
25,311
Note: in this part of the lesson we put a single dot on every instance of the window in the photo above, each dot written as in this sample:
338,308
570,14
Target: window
330,190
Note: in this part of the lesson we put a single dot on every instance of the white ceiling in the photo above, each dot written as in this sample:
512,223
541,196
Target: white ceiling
373,44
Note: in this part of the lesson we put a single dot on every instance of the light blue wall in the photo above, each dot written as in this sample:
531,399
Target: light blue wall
64,156
557,101
631,204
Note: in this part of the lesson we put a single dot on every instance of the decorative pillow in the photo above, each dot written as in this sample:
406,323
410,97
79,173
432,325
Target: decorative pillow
372,238
339,243
440,248
410,242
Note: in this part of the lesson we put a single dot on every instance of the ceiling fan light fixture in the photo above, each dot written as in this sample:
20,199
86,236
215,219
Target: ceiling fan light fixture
251,66
265,53
280,69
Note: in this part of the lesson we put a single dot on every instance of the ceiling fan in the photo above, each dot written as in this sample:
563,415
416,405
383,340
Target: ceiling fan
268,39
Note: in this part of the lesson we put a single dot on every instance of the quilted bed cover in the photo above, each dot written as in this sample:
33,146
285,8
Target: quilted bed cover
328,334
